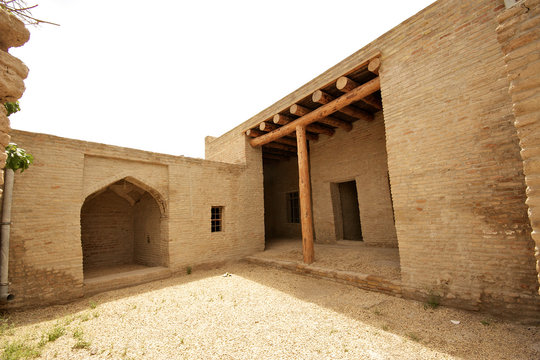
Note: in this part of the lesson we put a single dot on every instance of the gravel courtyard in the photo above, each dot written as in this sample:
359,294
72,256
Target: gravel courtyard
261,313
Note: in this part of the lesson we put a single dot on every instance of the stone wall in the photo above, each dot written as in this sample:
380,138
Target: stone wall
358,155
12,73
519,36
46,265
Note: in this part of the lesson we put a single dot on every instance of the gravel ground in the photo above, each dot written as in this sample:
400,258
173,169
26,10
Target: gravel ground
346,255
263,313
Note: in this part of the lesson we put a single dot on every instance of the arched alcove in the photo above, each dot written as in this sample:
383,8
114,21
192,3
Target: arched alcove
121,228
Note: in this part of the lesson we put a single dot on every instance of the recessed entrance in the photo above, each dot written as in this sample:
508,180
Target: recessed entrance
350,213
121,228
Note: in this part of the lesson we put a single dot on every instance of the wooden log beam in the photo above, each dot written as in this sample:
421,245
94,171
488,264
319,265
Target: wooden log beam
346,99
304,182
374,65
318,129
284,140
299,110
345,84
324,98
255,133
264,126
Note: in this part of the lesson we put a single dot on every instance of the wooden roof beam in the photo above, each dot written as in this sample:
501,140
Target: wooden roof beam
257,132
324,98
345,84
284,140
283,120
346,99
374,65
299,110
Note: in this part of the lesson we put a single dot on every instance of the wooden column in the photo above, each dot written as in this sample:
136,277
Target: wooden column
306,215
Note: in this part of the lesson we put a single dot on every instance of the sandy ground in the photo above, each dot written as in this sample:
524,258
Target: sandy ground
346,255
264,313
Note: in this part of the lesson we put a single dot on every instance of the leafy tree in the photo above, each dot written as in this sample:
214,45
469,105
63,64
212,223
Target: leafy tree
17,158
12,107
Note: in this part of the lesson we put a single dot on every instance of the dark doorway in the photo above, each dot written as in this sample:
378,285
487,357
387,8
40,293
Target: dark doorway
350,212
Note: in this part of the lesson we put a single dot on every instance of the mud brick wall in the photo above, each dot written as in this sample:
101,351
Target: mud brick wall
46,263
453,156
358,155
519,36
106,231
456,173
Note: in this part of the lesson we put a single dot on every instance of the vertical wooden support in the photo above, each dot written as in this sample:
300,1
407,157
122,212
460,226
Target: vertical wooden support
306,215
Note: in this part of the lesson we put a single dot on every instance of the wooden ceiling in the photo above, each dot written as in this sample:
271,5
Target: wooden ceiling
284,147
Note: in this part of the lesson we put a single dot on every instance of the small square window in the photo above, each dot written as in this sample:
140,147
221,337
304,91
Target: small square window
293,208
216,219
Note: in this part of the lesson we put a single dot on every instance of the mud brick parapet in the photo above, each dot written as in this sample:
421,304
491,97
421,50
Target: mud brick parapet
519,36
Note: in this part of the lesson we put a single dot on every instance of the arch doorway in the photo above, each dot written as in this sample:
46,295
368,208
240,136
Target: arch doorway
121,230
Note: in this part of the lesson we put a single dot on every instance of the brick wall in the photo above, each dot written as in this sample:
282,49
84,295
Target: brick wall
358,155
453,157
519,37
454,163
47,255
280,178
149,247
106,231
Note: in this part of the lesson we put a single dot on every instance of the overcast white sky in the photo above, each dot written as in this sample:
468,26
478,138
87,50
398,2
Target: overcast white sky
160,76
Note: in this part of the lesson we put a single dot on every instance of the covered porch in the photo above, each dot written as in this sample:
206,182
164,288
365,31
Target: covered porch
351,262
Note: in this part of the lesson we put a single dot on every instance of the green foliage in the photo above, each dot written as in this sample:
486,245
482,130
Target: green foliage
92,304
19,350
81,343
55,333
5,326
12,107
17,158
188,270
433,301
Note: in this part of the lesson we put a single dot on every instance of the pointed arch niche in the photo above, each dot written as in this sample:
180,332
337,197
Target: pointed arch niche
123,228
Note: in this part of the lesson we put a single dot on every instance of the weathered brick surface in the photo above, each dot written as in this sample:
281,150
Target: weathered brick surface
47,256
519,37
453,156
107,231
454,162
358,155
